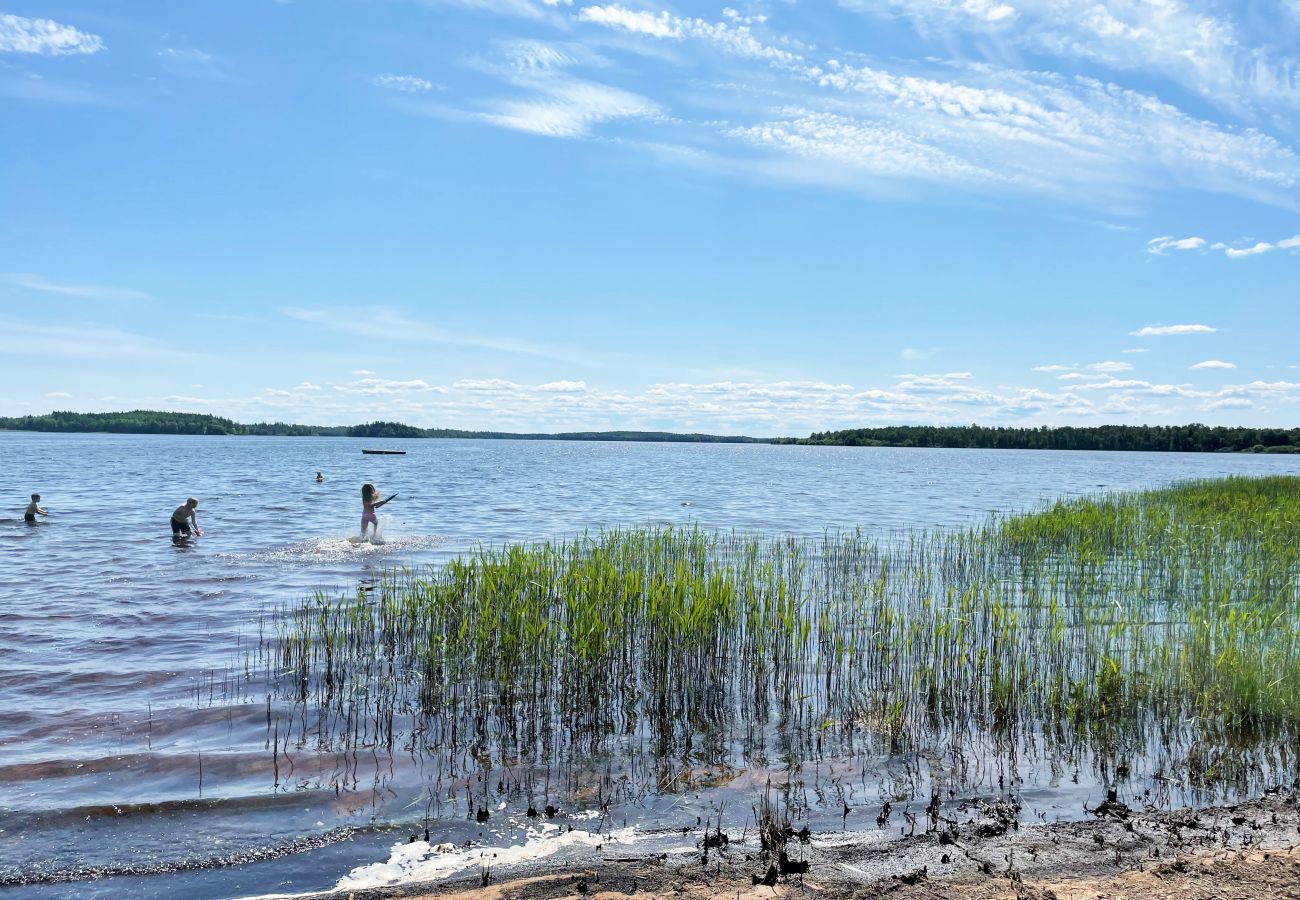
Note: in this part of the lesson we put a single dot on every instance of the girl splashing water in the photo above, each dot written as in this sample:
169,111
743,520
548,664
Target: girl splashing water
369,504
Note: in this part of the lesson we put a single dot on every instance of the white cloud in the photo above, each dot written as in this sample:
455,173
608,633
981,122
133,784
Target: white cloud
1052,368
1136,350
569,107
89,291
547,99
1256,250
362,372
736,16
407,84
734,37
981,126
44,37
755,407
1261,387
380,386
864,147
776,109
1231,403
639,21
1172,39
1160,245
1159,330
541,56
62,395
1134,386
750,407
1214,364
1109,366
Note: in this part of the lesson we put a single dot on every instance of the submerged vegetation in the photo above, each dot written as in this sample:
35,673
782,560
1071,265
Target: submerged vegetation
1149,635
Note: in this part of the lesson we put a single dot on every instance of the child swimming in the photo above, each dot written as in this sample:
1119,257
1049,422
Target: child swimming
183,517
368,506
34,510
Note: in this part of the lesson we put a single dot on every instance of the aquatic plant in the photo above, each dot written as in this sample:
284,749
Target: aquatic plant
1153,630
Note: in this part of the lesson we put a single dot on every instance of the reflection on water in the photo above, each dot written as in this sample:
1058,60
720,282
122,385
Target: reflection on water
134,730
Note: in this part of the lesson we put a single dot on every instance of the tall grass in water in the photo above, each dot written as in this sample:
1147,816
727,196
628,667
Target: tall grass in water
1160,625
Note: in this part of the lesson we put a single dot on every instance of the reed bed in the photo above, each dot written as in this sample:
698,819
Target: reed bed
1153,630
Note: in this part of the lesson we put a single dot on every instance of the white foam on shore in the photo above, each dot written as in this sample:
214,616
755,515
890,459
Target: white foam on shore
420,862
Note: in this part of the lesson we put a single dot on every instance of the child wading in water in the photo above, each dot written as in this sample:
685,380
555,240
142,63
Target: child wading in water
183,518
34,510
368,506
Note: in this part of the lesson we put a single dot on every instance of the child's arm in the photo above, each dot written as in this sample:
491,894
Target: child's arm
44,512
382,502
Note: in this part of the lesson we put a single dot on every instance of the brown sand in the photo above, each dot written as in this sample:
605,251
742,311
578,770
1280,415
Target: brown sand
1243,852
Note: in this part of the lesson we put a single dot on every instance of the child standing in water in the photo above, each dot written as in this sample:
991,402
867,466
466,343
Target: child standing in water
34,510
369,504
183,517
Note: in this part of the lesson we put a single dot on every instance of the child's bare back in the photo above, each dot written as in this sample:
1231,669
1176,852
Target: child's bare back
33,510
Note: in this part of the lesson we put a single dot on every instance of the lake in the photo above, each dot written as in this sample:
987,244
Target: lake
134,729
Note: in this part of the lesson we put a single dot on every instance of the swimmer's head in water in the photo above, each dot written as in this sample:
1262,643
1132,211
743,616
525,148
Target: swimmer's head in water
367,491
192,502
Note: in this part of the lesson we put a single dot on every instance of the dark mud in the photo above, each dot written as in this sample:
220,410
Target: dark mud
1248,850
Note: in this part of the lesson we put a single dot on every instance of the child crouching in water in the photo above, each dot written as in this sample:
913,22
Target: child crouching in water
183,517
369,504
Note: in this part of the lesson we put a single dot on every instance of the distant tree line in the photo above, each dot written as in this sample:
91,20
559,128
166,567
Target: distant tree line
142,421
138,421
1193,438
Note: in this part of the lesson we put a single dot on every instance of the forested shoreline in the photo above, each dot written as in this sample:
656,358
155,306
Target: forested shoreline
1194,438
154,422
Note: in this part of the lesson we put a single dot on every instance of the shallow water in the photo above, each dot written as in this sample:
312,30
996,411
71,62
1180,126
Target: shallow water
134,739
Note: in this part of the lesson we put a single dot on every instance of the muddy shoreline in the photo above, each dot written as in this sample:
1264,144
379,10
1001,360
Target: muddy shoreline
1246,850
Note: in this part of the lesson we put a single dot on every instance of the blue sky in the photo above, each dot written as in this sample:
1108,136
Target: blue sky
769,218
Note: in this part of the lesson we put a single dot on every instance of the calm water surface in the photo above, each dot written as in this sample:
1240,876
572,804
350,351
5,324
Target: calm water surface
132,738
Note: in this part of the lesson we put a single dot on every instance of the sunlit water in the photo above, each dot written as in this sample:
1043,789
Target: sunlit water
132,738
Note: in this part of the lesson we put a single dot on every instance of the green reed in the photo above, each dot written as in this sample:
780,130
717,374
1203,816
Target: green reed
1159,624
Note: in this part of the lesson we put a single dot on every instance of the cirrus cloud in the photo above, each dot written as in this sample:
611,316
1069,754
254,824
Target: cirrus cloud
1162,330
407,84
